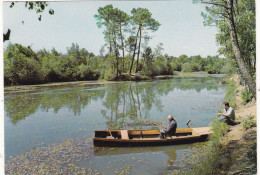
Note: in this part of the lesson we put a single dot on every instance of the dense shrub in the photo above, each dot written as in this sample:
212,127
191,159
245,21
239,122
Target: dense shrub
249,122
20,69
24,66
187,67
246,95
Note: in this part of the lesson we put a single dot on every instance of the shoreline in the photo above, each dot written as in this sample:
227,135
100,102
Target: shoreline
239,142
231,149
35,87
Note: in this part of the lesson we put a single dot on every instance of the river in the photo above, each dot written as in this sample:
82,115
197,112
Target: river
53,115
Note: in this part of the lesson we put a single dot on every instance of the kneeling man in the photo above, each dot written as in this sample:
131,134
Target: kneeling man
228,114
171,129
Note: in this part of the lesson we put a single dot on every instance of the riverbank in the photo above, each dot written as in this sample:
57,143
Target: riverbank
231,149
124,78
238,155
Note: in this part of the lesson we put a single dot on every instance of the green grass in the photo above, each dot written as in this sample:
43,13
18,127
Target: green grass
249,122
246,96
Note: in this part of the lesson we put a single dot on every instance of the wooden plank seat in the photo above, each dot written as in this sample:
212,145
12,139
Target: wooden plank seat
124,134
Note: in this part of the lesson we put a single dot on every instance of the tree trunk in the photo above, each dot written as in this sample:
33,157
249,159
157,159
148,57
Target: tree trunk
134,53
242,66
110,44
133,101
116,53
140,29
123,47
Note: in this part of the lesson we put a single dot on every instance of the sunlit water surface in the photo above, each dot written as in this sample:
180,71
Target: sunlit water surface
52,115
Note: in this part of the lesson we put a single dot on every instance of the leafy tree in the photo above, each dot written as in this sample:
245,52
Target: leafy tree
229,13
148,59
142,20
104,20
21,67
113,20
122,19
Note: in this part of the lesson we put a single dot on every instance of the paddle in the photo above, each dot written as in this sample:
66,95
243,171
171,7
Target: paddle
188,123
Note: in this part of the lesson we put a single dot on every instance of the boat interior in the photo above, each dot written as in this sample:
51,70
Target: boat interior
140,134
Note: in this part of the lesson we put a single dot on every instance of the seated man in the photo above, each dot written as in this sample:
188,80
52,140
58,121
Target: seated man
171,129
228,114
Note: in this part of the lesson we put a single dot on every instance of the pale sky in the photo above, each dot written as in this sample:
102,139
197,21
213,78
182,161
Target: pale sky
181,30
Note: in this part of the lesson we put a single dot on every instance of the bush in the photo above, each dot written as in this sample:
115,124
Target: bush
187,67
176,66
228,67
246,96
20,69
109,74
84,72
249,122
51,76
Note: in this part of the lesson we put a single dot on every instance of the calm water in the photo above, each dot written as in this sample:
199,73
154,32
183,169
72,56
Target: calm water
52,115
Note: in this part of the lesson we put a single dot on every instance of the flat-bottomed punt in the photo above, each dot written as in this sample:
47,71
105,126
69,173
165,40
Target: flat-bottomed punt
130,138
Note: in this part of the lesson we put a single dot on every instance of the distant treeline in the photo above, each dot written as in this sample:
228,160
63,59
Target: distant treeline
22,65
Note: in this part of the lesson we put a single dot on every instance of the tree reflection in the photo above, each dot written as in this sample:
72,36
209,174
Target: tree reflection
123,103
130,104
20,106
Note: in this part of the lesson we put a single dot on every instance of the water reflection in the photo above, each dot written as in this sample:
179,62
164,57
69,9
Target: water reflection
20,106
52,115
129,102
170,151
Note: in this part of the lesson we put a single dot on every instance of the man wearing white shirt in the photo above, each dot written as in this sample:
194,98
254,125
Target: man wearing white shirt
228,114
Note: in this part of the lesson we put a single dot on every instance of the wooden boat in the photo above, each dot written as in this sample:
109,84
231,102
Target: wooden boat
129,138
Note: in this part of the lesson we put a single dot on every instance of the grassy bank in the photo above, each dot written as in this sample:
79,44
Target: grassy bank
231,149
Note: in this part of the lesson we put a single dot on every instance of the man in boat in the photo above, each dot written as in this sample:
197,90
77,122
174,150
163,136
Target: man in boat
228,114
171,129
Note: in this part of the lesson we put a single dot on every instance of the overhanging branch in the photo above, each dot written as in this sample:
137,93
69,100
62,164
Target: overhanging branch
213,3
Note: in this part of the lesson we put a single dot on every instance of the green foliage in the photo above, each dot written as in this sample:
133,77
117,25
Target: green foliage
21,67
39,7
244,19
143,17
24,66
231,93
219,129
249,122
212,65
187,67
246,95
